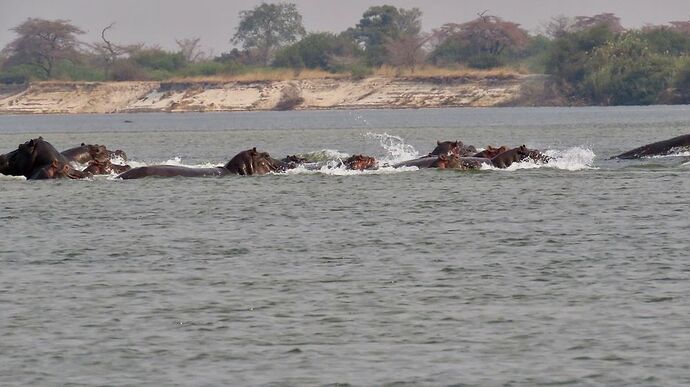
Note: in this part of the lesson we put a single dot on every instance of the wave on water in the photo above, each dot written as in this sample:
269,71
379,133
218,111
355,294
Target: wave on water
675,153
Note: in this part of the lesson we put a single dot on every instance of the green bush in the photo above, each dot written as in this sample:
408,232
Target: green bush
209,68
157,59
127,70
625,72
20,74
360,71
78,72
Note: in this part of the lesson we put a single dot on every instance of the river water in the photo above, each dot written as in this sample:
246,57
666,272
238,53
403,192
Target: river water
575,272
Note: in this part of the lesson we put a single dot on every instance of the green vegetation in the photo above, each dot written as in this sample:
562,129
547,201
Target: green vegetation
588,59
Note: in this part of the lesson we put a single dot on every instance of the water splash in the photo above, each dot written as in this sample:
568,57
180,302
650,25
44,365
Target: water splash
396,150
571,159
9,177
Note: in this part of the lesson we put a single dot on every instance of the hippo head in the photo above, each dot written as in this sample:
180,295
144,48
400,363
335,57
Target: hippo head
98,152
534,155
360,162
117,153
20,162
447,162
447,148
264,163
252,162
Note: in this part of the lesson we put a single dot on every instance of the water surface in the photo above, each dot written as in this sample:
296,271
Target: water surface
576,272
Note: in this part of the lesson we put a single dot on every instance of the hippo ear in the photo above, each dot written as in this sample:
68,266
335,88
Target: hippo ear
438,142
82,144
40,138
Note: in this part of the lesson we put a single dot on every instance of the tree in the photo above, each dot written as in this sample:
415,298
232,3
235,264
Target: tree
568,56
190,49
42,43
109,52
558,26
481,42
267,27
316,50
609,20
407,50
382,25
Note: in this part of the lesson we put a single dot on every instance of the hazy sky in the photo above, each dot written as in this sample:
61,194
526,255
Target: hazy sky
215,21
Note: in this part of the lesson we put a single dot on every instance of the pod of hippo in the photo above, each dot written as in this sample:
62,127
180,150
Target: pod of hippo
38,159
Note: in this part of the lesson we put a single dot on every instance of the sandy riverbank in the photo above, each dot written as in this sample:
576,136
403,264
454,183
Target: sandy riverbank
200,96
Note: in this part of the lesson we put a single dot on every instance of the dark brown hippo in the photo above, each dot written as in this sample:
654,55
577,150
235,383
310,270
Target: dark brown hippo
55,170
491,152
453,147
360,162
521,153
249,162
446,162
291,162
659,148
90,152
105,168
34,155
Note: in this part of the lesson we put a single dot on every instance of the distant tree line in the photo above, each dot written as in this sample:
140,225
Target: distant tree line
590,59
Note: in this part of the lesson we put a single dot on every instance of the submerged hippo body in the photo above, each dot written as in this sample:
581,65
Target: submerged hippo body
171,171
105,168
659,148
249,162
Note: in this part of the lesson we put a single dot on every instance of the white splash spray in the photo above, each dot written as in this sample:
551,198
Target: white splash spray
396,150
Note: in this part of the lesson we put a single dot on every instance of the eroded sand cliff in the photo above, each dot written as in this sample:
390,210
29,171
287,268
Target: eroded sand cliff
377,92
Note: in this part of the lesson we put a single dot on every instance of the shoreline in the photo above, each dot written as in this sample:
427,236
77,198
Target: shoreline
53,97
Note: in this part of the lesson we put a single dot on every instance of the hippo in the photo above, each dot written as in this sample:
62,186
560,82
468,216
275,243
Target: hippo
54,170
491,152
453,147
90,152
291,162
105,168
659,148
446,162
473,162
360,162
248,162
34,155
521,153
